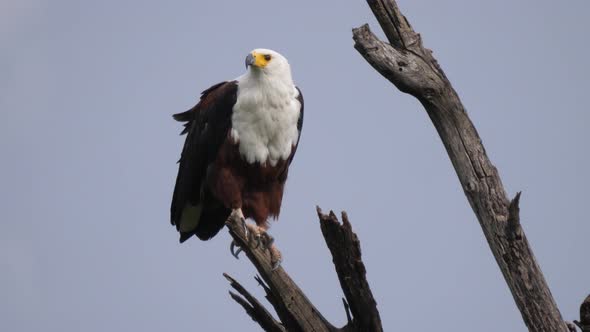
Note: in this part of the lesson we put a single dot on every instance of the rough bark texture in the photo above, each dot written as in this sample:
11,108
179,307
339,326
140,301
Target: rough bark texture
295,311
346,254
412,69
584,322
254,308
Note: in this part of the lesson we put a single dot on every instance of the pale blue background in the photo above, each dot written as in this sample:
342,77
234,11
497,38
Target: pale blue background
88,152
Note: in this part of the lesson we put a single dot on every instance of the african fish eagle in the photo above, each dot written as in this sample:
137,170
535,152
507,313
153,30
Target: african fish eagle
241,138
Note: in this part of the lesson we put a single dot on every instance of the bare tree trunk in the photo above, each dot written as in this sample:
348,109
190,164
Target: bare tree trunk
412,69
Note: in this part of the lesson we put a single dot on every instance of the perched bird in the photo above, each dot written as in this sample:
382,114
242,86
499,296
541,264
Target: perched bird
241,138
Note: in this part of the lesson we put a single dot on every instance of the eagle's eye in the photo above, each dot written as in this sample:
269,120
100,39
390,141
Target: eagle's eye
267,57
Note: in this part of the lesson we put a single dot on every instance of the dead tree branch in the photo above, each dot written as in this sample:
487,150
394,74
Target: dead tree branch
346,254
254,308
584,322
412,69
295,311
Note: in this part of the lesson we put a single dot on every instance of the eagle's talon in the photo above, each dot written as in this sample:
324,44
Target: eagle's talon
234,252
275,257
253,235
268,240
257,241
276,265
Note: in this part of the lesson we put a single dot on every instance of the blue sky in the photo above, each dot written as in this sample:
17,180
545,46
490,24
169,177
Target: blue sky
89,147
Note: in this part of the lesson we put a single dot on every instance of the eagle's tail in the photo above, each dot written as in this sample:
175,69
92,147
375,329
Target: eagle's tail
189,220
203,222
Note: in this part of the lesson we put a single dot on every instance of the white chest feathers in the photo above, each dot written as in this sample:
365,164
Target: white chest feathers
264,122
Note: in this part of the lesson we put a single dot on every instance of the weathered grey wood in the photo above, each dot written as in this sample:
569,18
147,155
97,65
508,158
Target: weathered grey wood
584,322
295,311
412,69
254,308
346,255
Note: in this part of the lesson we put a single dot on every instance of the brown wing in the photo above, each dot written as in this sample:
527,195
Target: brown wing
206,127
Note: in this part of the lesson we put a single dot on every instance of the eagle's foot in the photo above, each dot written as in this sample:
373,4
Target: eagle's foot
275,254
254,234
237,214
275,257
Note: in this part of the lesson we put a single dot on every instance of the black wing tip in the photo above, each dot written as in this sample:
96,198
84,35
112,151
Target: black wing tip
184,116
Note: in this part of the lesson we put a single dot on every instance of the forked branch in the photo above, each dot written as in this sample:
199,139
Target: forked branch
295,311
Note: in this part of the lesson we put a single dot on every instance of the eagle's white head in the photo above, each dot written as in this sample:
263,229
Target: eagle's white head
265,63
